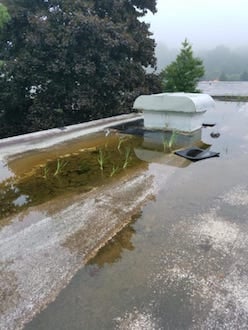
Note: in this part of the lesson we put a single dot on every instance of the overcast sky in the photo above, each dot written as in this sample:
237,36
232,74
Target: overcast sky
205,23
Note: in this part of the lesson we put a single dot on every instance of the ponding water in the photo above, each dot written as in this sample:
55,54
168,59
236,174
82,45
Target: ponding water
80,164
182,262
64,201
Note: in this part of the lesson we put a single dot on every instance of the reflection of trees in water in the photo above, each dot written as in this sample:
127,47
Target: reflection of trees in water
112,251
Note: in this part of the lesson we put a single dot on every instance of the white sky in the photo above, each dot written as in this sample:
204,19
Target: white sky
205,23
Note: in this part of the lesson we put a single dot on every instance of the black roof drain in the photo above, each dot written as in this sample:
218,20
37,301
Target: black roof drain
195,154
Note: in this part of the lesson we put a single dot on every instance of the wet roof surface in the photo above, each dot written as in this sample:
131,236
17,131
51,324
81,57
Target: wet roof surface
182,264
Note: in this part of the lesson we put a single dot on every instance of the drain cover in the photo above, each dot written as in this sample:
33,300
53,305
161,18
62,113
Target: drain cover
196,154
208,124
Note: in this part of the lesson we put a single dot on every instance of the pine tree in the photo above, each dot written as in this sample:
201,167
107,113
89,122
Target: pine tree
183,74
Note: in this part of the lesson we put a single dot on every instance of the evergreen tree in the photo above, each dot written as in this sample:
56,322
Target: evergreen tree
183,74
71,61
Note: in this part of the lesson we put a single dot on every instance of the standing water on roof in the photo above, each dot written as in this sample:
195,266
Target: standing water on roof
58,172
79,166
182,261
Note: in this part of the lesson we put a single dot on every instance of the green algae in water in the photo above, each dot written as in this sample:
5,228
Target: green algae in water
77,172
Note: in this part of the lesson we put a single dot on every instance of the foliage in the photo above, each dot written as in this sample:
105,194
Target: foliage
169,142
60,165
183,74
101,159
127,157
4,16
71,61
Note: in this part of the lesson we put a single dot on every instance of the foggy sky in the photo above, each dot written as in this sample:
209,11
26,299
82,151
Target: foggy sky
205,23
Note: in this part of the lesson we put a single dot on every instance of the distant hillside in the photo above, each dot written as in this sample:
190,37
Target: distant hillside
220,63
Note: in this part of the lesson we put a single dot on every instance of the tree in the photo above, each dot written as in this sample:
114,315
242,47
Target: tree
71,61
183,74
4,16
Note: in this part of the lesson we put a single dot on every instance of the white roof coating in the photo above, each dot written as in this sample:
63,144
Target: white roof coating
178,102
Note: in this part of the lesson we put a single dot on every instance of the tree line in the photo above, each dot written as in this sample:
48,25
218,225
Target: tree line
221,62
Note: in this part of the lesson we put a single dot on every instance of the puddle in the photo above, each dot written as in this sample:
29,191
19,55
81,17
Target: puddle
182,262
59,172
82,164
